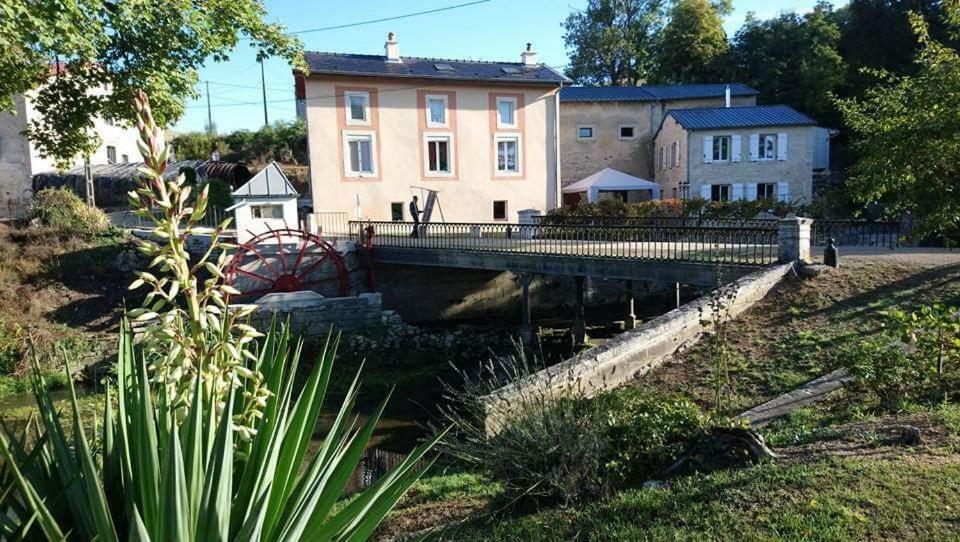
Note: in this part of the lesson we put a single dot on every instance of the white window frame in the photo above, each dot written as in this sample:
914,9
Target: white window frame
761,148
349,120
620,132
507,136
774,196
713,155
593,132
516,120
111,159
347,137
446,110
720,187
451,164
254,207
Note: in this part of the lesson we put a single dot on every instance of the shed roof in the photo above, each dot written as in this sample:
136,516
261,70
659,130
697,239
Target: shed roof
320,63
647,93
709,118
270,182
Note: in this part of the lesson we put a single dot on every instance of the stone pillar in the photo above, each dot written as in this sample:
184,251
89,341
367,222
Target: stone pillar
794,239
526,327
630,321
579,326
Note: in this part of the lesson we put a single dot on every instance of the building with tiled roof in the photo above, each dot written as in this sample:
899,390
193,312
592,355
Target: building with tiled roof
382,128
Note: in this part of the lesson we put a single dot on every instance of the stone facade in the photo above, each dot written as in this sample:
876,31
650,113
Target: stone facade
795,173
583,157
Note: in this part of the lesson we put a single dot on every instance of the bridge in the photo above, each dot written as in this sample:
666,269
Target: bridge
694,251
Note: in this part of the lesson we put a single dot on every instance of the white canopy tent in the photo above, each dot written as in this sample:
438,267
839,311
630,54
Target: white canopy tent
611,180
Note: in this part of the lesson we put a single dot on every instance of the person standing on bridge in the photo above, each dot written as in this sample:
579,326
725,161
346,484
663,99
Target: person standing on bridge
415,214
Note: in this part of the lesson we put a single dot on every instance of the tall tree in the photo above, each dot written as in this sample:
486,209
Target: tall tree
693,46
83,59
877,34
906,131
792,59
611,41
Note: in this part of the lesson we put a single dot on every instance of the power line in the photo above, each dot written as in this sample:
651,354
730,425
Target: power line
246,86
394,18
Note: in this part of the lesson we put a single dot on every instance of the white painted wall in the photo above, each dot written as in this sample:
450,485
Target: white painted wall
248,227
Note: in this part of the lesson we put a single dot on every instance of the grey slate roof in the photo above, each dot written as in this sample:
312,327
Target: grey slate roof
270,182
426,68
647,93
710,118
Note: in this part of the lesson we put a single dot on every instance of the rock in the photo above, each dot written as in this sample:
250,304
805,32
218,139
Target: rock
909,436
35,223
129,261
814,270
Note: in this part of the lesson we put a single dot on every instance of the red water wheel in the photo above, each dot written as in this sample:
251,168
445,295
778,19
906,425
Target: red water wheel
287,260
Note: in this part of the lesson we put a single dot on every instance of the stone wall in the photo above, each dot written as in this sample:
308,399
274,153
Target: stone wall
315,320
422,294
630,354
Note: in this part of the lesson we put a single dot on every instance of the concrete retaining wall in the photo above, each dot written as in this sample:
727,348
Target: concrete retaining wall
343,313
630,354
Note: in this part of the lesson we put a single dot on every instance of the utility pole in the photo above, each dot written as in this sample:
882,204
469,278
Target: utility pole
263,87
209,112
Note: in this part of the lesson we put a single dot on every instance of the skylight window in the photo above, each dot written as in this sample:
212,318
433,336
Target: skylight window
443,67
511,70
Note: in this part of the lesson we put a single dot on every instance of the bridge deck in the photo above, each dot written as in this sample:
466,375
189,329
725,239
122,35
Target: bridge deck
674,254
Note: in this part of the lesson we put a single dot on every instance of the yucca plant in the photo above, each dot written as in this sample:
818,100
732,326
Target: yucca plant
204,436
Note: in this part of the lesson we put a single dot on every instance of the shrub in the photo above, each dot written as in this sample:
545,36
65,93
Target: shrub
61,208
690,208
219,193
567,449
882,367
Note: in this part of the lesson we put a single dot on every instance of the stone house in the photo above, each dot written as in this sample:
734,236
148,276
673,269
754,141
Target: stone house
613,127
732,153
20,159
382,128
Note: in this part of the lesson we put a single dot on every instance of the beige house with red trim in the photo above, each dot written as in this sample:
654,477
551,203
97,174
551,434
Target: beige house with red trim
384,128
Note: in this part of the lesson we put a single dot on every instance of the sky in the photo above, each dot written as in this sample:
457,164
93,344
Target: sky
482,30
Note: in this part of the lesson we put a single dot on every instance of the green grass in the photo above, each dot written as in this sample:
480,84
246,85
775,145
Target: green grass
831,499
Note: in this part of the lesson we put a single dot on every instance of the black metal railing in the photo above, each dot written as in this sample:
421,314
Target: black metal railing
654,221
727,245
856,233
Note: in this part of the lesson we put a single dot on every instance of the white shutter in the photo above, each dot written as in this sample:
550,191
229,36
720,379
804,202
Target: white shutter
783,191
737,191
751,191
736,155
707,149
781,146
676,161
754,143
705,191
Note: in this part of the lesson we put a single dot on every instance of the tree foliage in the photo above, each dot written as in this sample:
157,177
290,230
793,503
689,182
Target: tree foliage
281,141
83,59
611,42
693,45
906,132
792,59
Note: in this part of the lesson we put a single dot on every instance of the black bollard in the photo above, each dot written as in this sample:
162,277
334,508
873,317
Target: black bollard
830,255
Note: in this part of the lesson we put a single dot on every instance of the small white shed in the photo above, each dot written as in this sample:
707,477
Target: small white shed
266,202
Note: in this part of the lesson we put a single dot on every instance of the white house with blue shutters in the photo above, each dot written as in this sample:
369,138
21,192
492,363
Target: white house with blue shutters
733,153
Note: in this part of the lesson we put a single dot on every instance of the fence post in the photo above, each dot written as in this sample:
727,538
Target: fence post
794,239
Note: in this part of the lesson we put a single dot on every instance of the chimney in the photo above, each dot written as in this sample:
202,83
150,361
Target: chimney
392,48
529,57
726,96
